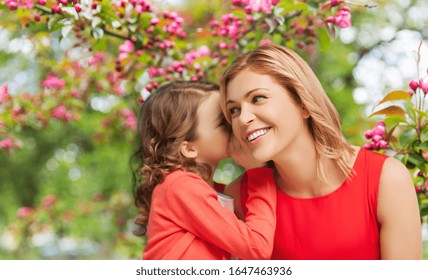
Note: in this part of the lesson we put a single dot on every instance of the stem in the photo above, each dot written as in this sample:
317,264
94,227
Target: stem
43,9
108,32
361,5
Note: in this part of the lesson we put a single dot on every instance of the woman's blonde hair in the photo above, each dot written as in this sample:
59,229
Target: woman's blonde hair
290,71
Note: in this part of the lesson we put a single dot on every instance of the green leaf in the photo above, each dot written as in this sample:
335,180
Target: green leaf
324,39
423,146
392,121
296,7
53,22
424,134
407,137
396,95
390,111
417,160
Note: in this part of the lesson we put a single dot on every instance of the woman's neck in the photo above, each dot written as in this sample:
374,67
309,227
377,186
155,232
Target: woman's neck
297,173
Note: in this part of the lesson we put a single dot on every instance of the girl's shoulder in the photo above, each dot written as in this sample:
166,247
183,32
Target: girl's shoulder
182,181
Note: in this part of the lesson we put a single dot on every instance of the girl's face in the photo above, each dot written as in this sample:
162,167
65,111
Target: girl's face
264,115
212,134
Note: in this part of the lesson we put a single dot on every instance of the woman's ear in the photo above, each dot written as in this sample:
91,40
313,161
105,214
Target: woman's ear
305,112
188,149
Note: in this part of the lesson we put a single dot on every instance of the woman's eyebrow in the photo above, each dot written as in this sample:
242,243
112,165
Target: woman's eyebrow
247,94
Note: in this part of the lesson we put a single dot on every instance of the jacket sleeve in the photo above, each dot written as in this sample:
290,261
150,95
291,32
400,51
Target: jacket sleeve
193,205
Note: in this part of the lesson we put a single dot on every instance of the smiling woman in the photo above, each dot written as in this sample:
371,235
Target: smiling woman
281,114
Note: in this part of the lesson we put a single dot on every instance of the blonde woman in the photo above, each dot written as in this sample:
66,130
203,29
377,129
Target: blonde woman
335,200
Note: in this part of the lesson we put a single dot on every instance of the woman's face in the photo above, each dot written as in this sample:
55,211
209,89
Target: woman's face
212,136
264,115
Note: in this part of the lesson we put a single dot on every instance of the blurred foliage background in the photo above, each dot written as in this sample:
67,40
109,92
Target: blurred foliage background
81,185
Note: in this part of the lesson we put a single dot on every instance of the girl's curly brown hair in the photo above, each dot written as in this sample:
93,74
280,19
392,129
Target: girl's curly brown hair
167,118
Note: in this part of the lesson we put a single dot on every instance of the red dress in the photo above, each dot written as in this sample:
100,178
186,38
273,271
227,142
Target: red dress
340,225
186,221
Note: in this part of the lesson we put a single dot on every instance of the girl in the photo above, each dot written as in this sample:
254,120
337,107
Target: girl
335,200
183,136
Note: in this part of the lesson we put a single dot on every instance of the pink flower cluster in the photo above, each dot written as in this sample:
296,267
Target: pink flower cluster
377,137
230,27
124,49
414,85
255,6
24,212
140,6
342,18
52,81
421,189
96,58
130,120
202,51
14,4
61,113
4,94
174,27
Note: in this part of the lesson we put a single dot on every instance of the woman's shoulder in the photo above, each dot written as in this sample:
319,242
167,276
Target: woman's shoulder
394,171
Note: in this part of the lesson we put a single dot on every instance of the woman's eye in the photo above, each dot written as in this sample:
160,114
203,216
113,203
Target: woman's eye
258,98
233,111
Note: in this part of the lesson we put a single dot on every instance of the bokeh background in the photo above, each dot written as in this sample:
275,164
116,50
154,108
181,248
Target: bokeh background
65,173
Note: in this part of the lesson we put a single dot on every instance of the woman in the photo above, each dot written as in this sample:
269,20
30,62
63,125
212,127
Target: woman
335,200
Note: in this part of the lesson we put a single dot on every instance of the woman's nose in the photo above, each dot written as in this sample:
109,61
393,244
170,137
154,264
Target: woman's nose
245,116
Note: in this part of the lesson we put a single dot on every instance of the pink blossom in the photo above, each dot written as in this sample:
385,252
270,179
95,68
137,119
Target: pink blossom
11,4
382,144
379,130
14,4
78,8
222,45
376,138
119,90
255,6
4,93
368,134
343,18
335,2
16,111
6,143
154,21
24,212
122,56
413,85
53,81
265,42
96,58
423,85
126,47
204,51
368,146
62,114
130,119
48,201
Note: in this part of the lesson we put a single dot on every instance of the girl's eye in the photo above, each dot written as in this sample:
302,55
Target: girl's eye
258,98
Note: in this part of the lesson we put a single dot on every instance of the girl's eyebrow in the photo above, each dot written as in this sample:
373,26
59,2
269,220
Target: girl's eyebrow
246,95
